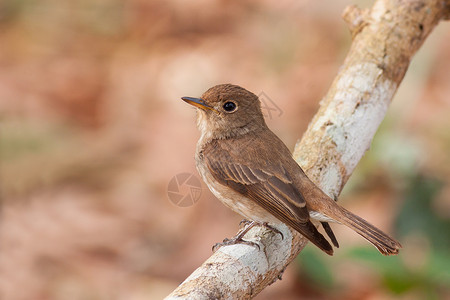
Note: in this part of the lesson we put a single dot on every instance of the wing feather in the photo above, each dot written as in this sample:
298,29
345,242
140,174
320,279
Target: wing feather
271,187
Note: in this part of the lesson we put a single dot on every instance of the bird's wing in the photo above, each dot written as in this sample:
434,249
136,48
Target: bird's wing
271,187
271,190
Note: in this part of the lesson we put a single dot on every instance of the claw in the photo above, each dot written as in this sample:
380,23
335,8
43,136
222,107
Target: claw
238,239
234,241
245,221
265,224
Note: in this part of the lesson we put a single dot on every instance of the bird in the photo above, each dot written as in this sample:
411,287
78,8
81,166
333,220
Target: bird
250,170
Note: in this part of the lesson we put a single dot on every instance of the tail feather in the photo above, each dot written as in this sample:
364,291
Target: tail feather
384,243
310,231
330,233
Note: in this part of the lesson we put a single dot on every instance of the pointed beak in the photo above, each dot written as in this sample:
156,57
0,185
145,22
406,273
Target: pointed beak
198,102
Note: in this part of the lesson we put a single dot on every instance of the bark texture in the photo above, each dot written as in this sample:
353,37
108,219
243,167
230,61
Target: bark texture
385,38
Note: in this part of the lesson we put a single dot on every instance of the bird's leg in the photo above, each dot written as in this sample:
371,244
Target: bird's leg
238,238
264,224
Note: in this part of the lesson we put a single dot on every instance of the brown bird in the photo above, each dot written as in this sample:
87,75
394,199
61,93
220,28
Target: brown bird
249,169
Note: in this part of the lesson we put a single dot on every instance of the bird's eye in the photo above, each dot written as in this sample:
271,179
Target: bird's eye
229,106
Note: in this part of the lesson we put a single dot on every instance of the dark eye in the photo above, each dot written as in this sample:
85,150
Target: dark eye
229,106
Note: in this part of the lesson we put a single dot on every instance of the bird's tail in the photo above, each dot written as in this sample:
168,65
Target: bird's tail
384,243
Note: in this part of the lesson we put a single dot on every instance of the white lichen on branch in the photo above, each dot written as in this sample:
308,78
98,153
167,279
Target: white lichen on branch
357,107
246,266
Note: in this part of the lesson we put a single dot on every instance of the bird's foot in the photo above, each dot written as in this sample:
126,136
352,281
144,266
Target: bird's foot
265,224
245,222
234,241
238,239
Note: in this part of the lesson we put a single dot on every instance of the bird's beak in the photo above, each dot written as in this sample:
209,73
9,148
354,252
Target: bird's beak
198,102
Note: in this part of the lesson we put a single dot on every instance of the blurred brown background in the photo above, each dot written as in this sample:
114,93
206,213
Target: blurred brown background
93,130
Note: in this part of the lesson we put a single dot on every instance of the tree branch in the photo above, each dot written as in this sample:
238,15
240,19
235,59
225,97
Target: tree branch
384,40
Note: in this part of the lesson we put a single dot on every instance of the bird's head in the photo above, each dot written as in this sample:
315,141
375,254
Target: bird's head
227,110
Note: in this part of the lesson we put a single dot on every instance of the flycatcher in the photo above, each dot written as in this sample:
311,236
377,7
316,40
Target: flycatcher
249,169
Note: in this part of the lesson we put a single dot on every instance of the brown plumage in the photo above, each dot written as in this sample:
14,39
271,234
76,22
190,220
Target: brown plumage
250,170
